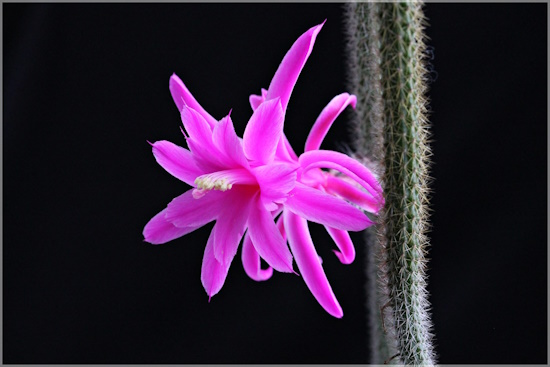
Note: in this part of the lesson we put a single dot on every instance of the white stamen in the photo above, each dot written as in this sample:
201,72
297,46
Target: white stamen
209,182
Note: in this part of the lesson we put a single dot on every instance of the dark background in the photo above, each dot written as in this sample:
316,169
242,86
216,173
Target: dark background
84,87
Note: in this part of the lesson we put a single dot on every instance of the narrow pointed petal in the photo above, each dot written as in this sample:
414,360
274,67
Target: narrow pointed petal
228,143
182,97
213,273
206,154
276,180
344,243
319,207
176,160
256,100
196,126
158,230
326,118
263,132
267,239
344,164
309,264
284,150
186,211
231,224
287,74
251,262
348,191
281,225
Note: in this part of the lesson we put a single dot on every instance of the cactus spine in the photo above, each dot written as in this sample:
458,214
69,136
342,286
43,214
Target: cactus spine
387,73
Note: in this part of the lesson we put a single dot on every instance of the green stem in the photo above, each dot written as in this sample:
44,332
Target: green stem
388,76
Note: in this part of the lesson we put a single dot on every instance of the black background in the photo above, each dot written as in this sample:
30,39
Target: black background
86,85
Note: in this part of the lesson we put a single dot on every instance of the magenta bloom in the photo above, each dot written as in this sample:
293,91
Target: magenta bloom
323,193
245,184
232,185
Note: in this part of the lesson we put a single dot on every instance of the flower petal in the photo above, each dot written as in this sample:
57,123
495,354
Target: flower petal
176,160
309,264
317,206
267,239
213,273
344,243
326,118
263,132
158,230
284,150
231,224
228,143
186,211
348,191
206,154
182,97
286,75
251,262
276,180
256,100
344,164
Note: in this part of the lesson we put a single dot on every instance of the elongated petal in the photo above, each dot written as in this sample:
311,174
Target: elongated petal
344,243
284,150
326,118
176,160
251,262
256,100
158,230
320,207
200,141
186,211
267,239
263,132
309,264
182,97
344,164
348,191
286,75
228,143
213,273
231,224
275,180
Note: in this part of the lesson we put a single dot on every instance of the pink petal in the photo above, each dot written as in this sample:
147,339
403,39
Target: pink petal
182,97
263,132
284,150
281,226
350,192
286,75
251,262
256,100
228,143
231,224
344,243
275,180
213,273
309,264
186,211
158,230
176,160
267,239
206,154
344,164
326,118
317,206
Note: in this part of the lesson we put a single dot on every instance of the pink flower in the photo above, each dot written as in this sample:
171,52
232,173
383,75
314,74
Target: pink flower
318,196
245,184
234,182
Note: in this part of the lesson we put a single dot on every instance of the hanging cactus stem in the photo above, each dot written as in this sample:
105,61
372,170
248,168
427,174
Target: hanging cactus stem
388,75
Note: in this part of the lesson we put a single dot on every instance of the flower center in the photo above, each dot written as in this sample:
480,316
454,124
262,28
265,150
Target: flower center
207,182
222,181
